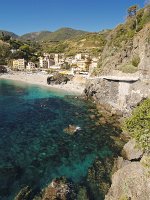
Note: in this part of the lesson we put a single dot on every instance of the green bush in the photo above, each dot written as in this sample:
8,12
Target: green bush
138,125
128,68
135,61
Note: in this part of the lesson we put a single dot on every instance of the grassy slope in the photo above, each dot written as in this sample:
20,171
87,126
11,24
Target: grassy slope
89,42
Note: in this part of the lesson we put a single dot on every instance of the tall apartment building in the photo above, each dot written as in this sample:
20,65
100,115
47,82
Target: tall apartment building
46,62
43,62
19,64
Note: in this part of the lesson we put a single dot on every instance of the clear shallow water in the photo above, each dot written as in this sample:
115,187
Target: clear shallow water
34,149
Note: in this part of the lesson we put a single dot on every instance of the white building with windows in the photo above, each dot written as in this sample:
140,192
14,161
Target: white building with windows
30,66
43,62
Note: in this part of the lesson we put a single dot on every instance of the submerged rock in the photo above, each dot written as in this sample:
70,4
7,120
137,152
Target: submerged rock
71,129
24,194
58,189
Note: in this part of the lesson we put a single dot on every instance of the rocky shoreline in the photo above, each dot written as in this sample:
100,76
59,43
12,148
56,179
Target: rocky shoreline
132,175
131,171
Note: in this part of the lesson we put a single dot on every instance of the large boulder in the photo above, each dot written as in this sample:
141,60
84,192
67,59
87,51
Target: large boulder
131,151
130,182
58,79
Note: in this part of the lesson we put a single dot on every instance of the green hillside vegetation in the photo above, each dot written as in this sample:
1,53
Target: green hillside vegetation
4,52
30,51
138,125
125,32
88,43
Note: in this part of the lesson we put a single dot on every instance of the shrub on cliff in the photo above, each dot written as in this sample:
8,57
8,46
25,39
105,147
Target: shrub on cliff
135,61
128,68
138,125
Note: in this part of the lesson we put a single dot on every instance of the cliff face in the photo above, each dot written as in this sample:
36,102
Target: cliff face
138,49
126,54
127,47
142,42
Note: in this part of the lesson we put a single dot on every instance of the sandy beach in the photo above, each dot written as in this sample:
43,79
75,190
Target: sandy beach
76,86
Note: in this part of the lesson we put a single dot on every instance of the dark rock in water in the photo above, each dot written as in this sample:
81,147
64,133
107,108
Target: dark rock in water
58,189
92,117
24,193
71,129
58,79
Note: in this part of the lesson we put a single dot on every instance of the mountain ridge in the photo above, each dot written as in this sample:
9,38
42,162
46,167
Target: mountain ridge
58,35
12,34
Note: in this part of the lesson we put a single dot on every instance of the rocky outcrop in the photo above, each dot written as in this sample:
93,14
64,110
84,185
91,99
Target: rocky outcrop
123,51
130,182
58,79
121,95
102,91
131,151
119,163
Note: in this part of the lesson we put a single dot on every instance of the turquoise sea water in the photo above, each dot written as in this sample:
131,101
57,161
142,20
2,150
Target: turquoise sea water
34,149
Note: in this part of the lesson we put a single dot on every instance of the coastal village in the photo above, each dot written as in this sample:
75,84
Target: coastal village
81,63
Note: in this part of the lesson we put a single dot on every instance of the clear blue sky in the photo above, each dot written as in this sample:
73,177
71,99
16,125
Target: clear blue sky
22,16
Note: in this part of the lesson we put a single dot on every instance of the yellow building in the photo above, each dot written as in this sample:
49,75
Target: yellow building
19,64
